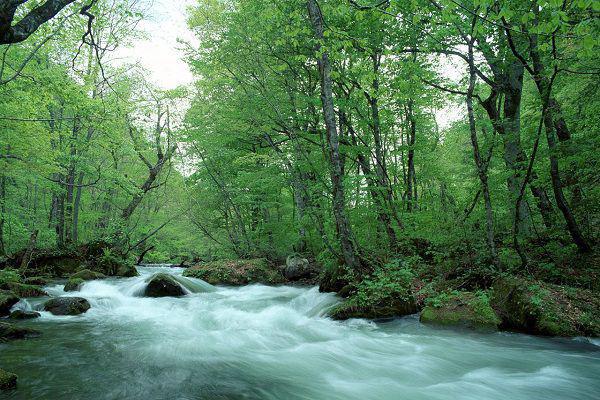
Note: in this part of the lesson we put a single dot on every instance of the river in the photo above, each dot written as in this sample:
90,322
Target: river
261,342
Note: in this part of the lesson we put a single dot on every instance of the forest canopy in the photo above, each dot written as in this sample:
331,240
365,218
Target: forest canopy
460,133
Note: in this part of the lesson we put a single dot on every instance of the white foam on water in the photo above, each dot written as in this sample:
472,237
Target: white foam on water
264,342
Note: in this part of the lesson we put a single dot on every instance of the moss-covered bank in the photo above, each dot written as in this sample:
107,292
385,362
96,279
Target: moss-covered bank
465,309
237,272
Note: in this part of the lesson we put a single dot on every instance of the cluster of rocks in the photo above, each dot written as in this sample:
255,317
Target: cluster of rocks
511,303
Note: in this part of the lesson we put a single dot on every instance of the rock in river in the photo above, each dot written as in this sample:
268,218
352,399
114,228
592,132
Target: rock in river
7,300
20,314
12,332
163,285
67,305
8,380
74,284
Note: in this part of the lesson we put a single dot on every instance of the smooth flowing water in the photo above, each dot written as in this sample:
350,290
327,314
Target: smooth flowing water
260,342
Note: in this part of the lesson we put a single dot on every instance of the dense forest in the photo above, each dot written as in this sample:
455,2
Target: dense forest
439,156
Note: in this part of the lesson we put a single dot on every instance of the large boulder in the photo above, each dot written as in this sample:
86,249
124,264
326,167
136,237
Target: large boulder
87,275
163,285
539,308
297,268
74,285
7,300
67,305
8,380
236,272
11,332
21,315
463,309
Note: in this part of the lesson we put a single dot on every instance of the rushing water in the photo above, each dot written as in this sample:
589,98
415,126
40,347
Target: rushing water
260,342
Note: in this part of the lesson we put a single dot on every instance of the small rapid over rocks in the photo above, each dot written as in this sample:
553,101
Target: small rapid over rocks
275,342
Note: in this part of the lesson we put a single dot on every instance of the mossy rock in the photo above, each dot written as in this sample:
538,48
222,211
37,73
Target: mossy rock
12,332
236,272
464,309
87,275
539,308
8,380
7,300
36,280
67,305
388,292
163,285
74,284
22,315
127,271
392,307
24,290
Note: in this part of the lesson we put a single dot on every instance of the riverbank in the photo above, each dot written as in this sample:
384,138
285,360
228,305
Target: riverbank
273,342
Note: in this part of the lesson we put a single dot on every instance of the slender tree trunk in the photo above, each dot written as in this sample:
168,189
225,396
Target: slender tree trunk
349,251
411,178
29,251
481,168
70,182
551,118
376,195
2,213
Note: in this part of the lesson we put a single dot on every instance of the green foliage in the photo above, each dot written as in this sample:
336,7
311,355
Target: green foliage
9,275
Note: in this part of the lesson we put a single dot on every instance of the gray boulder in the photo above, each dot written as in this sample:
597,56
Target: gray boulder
163,285
67,305
297,268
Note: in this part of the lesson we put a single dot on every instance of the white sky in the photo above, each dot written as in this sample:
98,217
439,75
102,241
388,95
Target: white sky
159,53
161,56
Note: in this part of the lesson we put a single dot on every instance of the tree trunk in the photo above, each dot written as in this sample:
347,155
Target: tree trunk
376,195
349,251
29,250
479,163
2,213
411,178
551,118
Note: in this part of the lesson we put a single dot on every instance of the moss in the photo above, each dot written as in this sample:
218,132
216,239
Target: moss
386,293
87,275
74,284
467,309
24,290
8,380
36,280
12,332
9,275
236,272
353,308
7,300
545,309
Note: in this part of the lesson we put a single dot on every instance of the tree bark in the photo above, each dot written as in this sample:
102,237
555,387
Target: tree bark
2,213
27,25
551,118
479,163
346,237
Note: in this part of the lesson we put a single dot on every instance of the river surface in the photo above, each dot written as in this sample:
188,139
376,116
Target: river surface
261,342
